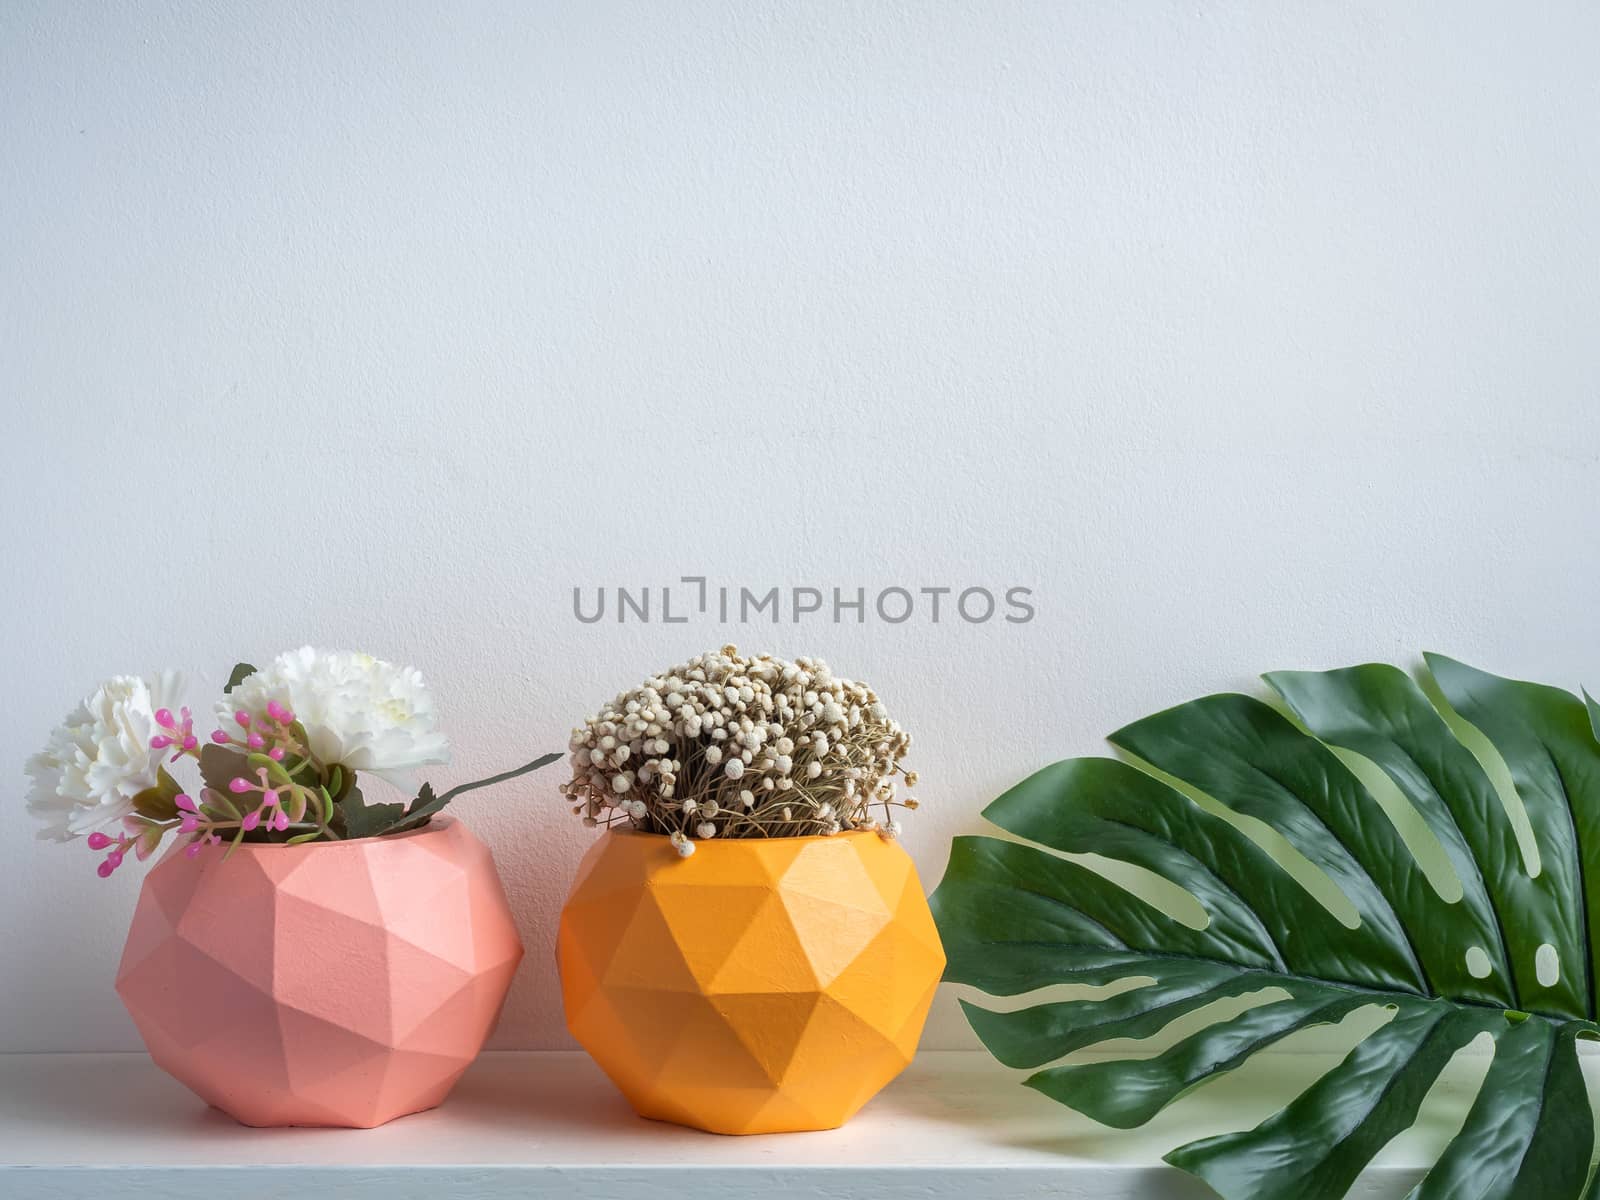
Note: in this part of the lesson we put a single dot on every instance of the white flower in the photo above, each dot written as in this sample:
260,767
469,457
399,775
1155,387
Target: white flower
99,758
357,710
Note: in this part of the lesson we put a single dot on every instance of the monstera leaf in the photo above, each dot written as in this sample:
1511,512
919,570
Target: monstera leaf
1461,906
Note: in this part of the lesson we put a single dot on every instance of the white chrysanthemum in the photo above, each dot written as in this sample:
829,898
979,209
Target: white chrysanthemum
357,710
99,758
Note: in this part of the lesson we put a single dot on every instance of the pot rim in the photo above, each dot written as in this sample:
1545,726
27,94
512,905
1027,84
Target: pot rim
440,823
701,843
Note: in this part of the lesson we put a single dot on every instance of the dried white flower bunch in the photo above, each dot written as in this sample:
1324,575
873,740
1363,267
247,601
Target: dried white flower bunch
735,747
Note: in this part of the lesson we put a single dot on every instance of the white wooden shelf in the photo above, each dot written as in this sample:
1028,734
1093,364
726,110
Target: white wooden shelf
549,1125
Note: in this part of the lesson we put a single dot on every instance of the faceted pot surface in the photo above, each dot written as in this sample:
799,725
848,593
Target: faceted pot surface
758,986
330,983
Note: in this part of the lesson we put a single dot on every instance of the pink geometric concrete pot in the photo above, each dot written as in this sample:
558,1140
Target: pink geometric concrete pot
330,983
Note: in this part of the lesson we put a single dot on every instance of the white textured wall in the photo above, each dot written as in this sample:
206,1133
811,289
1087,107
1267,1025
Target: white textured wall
1249,335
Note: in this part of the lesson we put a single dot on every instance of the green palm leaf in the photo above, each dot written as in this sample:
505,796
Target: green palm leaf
1312,886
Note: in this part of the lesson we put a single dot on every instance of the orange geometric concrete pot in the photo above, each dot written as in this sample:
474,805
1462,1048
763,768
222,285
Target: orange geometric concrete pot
329,983
757,986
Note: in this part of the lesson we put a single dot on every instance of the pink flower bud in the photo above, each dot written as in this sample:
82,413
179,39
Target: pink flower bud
188,823
186,802
219,737
104,869
98,841
276,754
280,820
237,785
251,820
115,859
269,797
191,849
257,741
278,712
243,718
164,717
190,742
159,742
